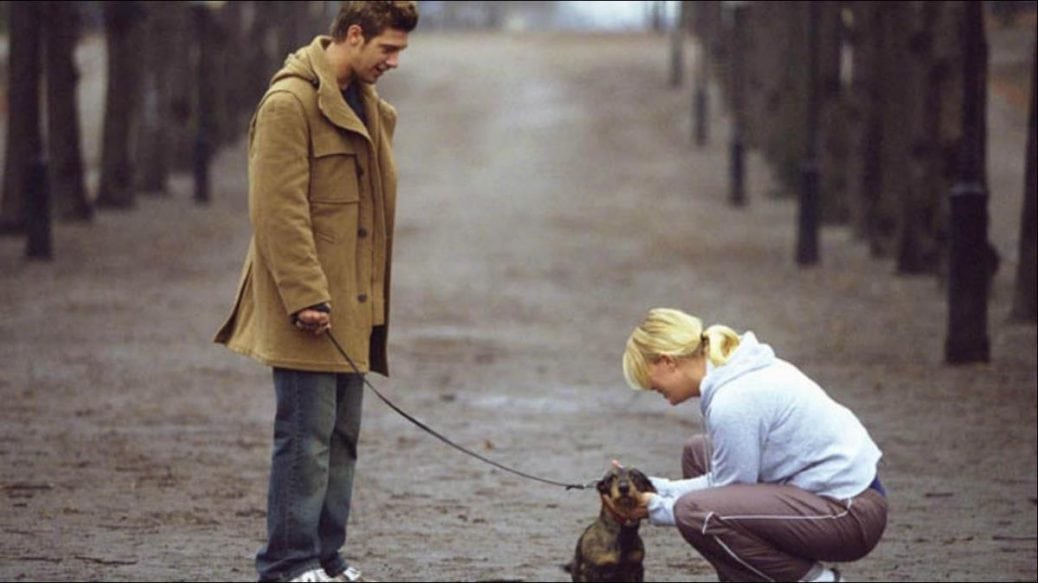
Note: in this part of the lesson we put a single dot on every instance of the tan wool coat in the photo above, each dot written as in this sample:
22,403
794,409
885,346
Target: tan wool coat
322,198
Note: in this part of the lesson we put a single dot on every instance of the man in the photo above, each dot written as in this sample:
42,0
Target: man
322,195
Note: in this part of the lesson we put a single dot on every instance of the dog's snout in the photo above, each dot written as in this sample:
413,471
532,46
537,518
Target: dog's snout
624,487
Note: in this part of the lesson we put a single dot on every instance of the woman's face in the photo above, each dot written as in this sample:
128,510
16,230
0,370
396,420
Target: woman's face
677,379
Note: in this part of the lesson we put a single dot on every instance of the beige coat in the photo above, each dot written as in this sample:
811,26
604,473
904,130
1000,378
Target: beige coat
322,197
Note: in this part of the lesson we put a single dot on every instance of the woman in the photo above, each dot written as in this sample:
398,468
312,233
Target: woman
785,478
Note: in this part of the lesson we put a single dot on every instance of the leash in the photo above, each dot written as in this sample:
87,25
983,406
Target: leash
439,436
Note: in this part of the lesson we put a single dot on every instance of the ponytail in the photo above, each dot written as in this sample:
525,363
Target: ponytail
721,342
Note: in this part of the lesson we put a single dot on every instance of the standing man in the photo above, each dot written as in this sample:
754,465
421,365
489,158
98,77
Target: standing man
322,196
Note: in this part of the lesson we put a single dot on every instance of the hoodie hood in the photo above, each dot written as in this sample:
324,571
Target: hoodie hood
310,64
751,355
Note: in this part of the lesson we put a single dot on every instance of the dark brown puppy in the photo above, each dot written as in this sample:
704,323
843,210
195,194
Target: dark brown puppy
610,549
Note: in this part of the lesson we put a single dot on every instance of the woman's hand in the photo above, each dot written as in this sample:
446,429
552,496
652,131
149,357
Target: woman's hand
630,514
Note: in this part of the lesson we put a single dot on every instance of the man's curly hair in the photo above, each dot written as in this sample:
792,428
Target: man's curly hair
374,17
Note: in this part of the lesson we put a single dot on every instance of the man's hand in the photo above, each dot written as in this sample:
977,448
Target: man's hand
315,322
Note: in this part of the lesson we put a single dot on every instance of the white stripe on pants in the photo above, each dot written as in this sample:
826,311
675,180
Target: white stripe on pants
769,532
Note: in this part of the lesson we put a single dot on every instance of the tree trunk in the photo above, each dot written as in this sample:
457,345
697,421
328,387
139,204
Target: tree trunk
971,254
760,71
916,247
677,48
123,22
782,59
205,131
232,78
866,136
833,128
67,186
153,153
1024,297
884,221
24,142
179,115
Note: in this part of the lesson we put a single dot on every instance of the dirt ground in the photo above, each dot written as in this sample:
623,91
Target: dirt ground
548,197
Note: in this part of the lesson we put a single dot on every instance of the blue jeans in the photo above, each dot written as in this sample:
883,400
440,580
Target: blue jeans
311,477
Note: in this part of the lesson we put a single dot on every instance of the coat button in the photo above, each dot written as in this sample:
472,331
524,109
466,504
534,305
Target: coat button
362,232
362,298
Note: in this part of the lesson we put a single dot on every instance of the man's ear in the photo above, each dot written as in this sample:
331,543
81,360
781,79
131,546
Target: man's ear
355,35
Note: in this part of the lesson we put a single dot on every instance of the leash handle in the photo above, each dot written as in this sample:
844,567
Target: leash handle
439,436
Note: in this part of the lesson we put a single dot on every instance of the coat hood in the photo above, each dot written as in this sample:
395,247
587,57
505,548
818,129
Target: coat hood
310,64
751,355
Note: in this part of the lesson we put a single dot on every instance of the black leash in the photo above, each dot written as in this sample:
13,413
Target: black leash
437,435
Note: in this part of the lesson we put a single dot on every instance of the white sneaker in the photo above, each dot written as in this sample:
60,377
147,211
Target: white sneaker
351,574
824,574
313,576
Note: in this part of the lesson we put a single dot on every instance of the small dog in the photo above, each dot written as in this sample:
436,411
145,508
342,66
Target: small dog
610,549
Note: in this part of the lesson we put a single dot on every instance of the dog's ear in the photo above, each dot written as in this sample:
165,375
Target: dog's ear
603,484
641,482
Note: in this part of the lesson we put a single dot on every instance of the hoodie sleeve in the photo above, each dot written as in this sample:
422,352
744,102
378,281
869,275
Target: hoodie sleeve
279,179
661,505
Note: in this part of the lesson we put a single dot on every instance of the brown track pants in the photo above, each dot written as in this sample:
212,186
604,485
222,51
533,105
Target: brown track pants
770,532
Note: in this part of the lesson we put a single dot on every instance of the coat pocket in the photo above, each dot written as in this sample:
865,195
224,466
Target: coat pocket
334,174
335,222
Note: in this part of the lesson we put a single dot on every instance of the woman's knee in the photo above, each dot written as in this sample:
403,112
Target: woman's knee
690,516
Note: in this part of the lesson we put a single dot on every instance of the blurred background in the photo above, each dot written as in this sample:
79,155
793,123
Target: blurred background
852,180
870,112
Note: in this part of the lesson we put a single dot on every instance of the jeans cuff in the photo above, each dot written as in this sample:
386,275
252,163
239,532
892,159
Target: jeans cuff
334,566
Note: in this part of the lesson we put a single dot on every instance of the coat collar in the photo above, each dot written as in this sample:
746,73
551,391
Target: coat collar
329,96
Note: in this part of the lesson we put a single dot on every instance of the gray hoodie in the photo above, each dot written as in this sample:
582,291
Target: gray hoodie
769,423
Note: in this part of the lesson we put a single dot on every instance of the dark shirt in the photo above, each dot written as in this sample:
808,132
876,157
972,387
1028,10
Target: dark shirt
352,96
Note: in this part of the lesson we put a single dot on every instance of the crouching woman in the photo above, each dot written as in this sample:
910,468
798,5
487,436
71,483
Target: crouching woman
785,477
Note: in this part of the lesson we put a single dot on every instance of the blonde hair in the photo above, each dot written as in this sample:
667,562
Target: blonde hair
669,332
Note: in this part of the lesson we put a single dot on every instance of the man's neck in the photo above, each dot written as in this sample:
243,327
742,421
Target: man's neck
338,60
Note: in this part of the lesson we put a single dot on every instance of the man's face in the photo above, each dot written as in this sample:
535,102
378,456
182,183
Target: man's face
373,57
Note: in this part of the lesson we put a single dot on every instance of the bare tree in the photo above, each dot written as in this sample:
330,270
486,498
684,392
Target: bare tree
886,214
235,19
970,258
1024,296
179,116
833,113
776,86
61,24
123,24
24,142
705,16
155,130
865,141
917,227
